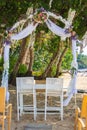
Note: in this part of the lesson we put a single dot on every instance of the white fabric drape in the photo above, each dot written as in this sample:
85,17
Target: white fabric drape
4,82
25,32
74,64
74,50
56,29
70,90
61,32
6,53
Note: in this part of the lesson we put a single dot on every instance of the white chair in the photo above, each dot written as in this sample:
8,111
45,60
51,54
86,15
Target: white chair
25,88
54,88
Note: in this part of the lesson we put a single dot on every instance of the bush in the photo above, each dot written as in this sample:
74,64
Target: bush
22,69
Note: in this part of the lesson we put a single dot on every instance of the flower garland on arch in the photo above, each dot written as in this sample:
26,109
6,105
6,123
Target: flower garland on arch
40,15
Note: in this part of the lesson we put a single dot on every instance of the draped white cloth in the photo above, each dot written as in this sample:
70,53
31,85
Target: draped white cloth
4,82
74,50
56,29
61,32
72,86
25,32
6,53
30,28
70,90
74,64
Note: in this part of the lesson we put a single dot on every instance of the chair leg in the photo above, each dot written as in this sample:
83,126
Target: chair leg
34,112
9,118
3,125
34,104
9,123
45,107
61,114
21,104
76,118
18,101
45,113
61,108
18,113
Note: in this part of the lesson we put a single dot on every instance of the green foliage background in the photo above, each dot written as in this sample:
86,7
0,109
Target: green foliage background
12,10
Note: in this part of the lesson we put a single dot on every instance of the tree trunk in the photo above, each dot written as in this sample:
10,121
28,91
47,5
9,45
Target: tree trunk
20,59
55,55
31,58
60,62
26,58
30,54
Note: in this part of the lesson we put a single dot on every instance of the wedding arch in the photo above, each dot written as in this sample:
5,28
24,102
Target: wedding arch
40,16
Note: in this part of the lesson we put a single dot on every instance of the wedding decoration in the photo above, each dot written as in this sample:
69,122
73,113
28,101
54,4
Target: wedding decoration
59,17
5,74
39,17
25,32
17,24
56,29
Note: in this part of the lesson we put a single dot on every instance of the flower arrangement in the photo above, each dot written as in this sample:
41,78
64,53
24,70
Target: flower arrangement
6,36
74,36
40,16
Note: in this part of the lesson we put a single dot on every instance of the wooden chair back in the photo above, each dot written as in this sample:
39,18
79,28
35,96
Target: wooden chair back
84,107
81,115
5,111
2,99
